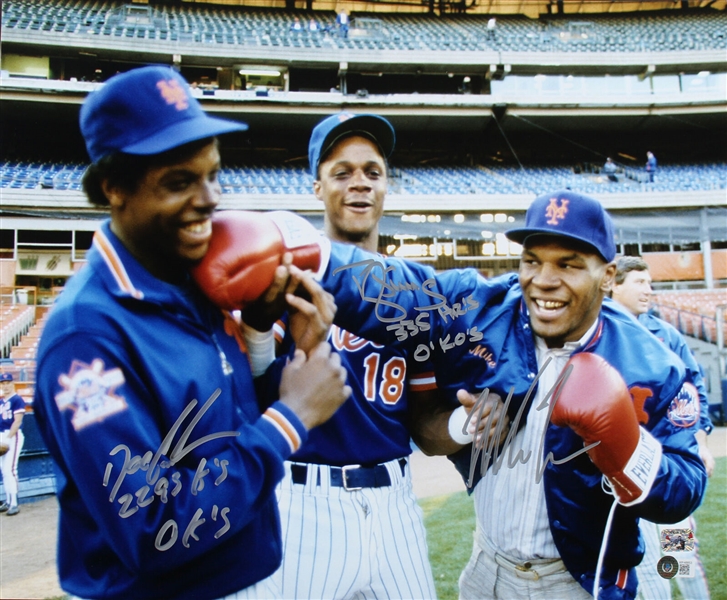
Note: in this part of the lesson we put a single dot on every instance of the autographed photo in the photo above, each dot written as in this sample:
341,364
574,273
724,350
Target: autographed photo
363,299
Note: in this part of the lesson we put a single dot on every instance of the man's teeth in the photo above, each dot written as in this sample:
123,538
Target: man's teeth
549,304
198,227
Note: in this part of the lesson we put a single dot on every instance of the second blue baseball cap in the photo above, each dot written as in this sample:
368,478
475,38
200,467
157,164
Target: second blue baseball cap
6,376
333,128
571,215
146,111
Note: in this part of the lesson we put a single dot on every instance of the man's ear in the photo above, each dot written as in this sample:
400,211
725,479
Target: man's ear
317,189
115,196
609,275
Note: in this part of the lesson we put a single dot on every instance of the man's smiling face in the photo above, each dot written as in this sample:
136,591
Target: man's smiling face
563,286
165,223
352,184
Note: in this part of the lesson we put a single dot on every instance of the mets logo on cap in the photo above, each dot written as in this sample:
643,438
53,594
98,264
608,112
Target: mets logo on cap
556,211
173,93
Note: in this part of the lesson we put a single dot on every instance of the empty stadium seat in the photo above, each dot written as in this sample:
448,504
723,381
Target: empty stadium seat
693,312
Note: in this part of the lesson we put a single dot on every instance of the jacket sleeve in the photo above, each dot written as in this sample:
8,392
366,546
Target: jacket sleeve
694,375
161,480
389,300
681,481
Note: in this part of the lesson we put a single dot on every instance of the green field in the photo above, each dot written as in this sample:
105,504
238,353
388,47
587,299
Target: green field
450,522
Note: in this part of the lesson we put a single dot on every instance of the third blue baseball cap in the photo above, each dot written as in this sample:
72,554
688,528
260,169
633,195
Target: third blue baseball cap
333,128
146,111
6,376
571,215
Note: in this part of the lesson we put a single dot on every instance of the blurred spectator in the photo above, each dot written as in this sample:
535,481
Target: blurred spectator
313,25
609,168
651,165
295,25
342,21
491,25
12,410
466,87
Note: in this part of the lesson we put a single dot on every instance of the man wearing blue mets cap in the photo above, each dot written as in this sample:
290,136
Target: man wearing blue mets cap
602,416
166,467
360,456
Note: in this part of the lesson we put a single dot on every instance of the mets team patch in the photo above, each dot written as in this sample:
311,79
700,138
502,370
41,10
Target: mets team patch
684,409
88,390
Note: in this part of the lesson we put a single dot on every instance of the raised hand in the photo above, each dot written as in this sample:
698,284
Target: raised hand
313,387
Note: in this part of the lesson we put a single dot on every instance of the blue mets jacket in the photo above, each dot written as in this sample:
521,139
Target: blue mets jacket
676,343
166,469
476,333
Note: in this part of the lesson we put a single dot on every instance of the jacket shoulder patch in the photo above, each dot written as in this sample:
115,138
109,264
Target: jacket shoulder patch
88,390
684,408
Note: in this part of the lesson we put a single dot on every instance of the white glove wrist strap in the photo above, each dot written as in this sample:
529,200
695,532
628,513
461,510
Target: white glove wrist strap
260,348
643,466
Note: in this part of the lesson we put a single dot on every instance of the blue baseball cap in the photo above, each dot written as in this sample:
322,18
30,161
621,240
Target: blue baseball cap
569,215
331,129
6,376
146,111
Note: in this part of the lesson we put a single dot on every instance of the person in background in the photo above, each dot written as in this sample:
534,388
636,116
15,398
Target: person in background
342,21
650,167
166,466
12,411
609,168
491,27
632,289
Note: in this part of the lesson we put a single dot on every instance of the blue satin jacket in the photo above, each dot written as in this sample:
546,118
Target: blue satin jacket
166,469
477,335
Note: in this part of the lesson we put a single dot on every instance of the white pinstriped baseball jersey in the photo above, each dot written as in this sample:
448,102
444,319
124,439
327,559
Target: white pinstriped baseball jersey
510,504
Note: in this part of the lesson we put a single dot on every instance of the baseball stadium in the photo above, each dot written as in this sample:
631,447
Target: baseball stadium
493,103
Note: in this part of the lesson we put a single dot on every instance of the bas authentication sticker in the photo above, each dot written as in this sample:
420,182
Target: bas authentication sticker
667,567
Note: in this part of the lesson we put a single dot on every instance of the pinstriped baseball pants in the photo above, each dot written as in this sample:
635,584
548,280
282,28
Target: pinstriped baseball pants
484,579
369,543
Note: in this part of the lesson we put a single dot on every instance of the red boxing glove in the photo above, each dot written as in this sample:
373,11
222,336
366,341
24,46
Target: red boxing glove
246,248
595,403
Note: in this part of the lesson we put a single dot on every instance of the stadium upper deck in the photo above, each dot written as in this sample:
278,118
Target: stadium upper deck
622,43
491,130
